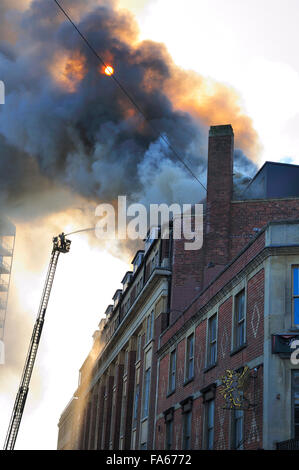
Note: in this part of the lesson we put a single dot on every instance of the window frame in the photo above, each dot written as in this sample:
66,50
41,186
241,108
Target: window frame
236,321
234,444
187,420
296,325
214,342
152,315
154,262
294,372
122,414
146,393
126,361
150,320
172,371
138,348
135,405
169,434
189,359
206,423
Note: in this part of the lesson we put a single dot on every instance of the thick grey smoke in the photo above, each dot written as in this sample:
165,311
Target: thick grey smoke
67,124
84,139
244,170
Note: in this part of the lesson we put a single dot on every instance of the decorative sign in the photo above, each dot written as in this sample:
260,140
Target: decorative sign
233,387
282,344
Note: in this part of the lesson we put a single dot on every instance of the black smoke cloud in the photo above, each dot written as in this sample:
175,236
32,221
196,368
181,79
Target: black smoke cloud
61,126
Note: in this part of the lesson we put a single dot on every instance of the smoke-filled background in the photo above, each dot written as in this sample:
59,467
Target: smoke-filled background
68,125
70,139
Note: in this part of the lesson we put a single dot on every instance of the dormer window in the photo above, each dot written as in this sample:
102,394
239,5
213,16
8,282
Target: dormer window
126,279
137,260
155,261
116,297
152,236
109,310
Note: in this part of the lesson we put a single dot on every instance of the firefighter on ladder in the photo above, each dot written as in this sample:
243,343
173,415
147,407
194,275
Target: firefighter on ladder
62,241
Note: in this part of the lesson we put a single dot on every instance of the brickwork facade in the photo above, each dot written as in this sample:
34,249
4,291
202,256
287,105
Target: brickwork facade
154,377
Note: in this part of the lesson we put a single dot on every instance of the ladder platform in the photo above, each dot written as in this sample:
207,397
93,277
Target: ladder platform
61,244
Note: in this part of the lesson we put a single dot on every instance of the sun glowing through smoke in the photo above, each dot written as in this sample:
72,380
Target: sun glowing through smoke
109,70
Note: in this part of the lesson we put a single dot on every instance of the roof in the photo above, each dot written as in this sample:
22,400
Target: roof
117,294
273,180
136,255
126,277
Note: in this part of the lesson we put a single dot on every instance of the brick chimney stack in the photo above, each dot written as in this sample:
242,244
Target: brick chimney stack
219,195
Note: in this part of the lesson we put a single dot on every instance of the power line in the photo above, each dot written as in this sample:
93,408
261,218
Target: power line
164,138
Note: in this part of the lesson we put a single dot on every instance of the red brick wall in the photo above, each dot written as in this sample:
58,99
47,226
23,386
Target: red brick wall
204,378
255,315
228,274
187,272
247,215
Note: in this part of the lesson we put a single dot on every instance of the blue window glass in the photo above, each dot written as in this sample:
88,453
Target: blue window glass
296,295
296,310
136,405
146,392
210,424
295,281
190,357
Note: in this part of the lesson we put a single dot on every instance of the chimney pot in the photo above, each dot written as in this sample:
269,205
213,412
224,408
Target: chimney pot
225,129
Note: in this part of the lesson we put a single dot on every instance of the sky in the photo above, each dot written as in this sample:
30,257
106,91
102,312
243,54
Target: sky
251,47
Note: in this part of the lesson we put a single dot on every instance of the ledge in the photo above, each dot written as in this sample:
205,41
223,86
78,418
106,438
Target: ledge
186,382
209,367
170,393
238,349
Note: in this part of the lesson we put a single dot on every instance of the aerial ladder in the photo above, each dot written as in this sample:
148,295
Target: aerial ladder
60,245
